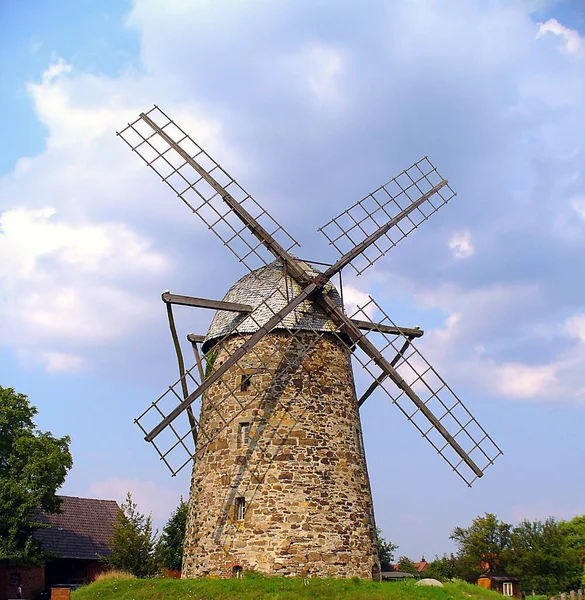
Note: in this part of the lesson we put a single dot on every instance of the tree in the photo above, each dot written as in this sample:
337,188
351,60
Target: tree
574,530
483,547
133,542
406,565
542,557
169,549
33,466
385,551
443,568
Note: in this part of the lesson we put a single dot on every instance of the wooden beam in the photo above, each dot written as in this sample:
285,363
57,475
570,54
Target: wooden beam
233,359
357,250
169,298
195,339
406,331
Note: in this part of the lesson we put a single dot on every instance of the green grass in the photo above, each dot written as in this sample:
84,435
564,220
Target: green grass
275,588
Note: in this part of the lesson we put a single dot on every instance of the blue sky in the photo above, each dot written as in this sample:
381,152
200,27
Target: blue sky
310,106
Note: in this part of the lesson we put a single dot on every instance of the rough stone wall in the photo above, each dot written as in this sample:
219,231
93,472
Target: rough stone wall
302,471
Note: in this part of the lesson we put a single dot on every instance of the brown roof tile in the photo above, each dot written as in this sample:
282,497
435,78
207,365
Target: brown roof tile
83,529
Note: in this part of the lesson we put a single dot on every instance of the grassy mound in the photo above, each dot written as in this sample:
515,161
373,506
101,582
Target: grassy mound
275,588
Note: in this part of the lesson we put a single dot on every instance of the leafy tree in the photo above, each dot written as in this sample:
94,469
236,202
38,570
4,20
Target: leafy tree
33,466
443,568
133,542
406,565
574,530
169,549
542,557
483,547
385,551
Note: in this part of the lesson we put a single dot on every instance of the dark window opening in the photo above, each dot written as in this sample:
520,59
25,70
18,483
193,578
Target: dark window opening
240,508
243,434
245,382
358,440
237,572
14,578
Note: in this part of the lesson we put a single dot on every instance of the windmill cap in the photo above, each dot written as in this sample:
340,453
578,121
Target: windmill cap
268,291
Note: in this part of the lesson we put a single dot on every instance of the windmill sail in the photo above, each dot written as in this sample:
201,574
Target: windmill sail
458,424
365,232
375,224
206,188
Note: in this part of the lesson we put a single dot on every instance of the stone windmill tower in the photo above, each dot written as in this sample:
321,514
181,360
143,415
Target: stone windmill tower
280,483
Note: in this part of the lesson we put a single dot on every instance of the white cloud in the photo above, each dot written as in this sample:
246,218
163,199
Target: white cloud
31,236
150,497
63,284
74,263
575,327
517,380
57,362
472,348
322,68
461,244
578,205
573,42
355,300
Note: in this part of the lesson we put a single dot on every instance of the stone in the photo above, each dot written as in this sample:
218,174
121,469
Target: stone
429,581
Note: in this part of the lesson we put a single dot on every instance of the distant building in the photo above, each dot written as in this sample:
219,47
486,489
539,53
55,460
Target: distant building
504,584
78,540
395,575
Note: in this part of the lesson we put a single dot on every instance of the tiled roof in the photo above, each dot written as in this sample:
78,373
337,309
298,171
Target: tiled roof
83,529
268,291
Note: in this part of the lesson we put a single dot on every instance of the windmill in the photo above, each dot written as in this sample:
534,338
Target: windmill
280,481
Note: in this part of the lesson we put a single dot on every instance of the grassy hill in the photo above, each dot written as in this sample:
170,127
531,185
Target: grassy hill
275,588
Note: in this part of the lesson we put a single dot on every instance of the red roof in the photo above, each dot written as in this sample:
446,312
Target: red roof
83,529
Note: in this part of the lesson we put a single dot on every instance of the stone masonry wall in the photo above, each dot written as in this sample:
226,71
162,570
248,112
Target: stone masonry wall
301,471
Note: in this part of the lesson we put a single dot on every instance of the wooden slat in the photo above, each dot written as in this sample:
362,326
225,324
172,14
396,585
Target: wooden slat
169,298
407,332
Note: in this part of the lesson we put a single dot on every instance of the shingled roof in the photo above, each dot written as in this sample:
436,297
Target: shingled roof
83,529
268,291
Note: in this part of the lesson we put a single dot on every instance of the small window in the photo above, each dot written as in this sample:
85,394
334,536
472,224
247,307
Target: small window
15,579
243,434
245,382
358,440
237,572
508,589
240,512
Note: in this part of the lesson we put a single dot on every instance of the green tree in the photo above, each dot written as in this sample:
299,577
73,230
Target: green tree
33,466
169,549
385,551
406,565
133,542
574,530
443,568
482,547
542,557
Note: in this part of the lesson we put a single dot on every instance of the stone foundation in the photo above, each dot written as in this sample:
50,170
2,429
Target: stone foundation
282,487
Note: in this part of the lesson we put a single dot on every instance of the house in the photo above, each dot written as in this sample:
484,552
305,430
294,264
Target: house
504,584
421,565
77,541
